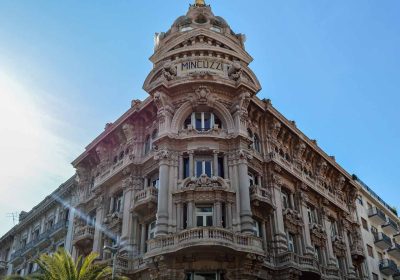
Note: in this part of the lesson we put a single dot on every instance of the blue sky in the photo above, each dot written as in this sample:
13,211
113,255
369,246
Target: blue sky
69,67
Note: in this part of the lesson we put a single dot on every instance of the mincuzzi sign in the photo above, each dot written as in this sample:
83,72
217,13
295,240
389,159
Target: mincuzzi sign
202,65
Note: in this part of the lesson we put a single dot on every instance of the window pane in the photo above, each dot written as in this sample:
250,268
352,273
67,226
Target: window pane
198,120
209,221
199,168
221,167
205,276
185,168
208,168
199,221
207,121
204,209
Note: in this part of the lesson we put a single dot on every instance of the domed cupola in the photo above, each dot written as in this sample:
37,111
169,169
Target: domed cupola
200,48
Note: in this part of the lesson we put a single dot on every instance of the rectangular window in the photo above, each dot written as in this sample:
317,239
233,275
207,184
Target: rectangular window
207,121
252,180
365,224
334,229
256,228
285,200
341,264
185,216
156,183
118,203
185,168
291,242
204,167
380,256
204,216
374,230
202,276
370,251
360,200
221,167
151,230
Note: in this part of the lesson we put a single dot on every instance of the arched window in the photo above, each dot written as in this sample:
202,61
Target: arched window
202,121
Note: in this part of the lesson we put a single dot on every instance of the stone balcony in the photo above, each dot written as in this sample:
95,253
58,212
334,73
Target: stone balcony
388,267
261,197
217,238
395,251
308,265
390,227
83,236
377,216
396,237
130,265
145,200
112,169
382,241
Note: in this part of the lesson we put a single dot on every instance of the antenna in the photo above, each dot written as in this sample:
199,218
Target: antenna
14,216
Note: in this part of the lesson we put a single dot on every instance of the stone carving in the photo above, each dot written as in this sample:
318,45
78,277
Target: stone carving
98,201
299,150
293,220
340,182
318,234
339,246
169,71
128,131
321,169
135,104
162,154
235,71
203,182
275,128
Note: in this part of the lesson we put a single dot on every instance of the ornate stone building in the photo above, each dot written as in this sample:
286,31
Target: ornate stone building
205,181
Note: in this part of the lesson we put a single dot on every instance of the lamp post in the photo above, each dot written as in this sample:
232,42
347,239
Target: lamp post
114,253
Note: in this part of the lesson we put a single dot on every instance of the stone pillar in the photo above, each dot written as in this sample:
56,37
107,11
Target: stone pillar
112,199
215,163
329,248
135,235
70,230
143,239
126,235
163,194
146,182
259,180
279,226
229,215
350,268
264,234
179,213
309,249
191,163
246,219
218,213
97,242
190,214
180,167
226,170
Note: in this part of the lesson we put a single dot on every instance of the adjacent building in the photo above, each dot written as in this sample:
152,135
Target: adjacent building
380,232
203,180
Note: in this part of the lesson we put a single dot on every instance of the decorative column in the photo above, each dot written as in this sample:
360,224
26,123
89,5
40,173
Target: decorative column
329,249
143,239
180,168
112,199
303,198
279,226
191,163
190,214
135,235
70,230
218,213
226,170
215,163
350,268
126,235
162,207
229,215
97,240
179,216
246,219
146,182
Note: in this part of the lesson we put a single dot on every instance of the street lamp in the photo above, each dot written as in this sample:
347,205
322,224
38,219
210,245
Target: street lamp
114,252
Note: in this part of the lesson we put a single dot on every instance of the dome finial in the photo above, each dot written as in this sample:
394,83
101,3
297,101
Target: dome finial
200,3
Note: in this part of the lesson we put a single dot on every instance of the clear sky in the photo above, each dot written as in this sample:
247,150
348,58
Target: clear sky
69,67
